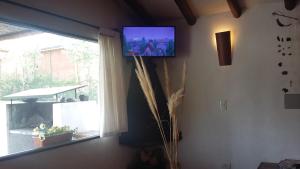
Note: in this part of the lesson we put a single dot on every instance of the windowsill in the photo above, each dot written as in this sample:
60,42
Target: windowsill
24,153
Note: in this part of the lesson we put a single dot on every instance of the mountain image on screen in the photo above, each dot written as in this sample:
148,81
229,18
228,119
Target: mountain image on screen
149,41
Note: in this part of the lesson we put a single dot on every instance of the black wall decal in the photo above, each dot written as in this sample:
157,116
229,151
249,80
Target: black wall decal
284,72
285,90
284,48
279,23
279,14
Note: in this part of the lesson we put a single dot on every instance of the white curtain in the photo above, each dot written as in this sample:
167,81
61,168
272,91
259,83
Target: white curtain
112,88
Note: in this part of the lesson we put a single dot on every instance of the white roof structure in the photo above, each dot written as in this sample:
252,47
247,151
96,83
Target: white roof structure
41,92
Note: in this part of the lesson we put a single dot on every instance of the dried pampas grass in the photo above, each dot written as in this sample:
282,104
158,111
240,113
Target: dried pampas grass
174,100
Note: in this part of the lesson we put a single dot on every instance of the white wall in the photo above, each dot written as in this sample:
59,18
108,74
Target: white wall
256,126
83,116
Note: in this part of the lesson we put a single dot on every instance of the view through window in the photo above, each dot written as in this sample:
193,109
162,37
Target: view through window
48,89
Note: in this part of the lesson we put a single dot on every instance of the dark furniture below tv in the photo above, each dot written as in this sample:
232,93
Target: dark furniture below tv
142,127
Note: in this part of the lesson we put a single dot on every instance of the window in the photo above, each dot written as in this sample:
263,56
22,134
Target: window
48,89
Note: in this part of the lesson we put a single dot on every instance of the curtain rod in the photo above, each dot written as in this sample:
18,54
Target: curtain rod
54,14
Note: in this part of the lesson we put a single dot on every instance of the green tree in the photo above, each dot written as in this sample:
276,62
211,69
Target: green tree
29,67
170,49
143,45
85,60
9,85
13,84
125,45
87,63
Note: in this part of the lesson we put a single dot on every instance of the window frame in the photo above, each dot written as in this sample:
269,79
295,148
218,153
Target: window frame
52,147
42,149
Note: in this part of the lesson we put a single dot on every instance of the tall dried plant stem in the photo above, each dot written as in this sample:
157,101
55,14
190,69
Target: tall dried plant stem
146,85
172,123
168,93
174,101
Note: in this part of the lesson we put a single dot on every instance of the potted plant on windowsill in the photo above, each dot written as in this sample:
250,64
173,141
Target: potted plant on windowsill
43,136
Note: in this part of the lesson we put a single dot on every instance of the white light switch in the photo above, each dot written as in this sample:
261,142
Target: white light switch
223,105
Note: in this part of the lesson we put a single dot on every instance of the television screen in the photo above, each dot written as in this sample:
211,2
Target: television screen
149,41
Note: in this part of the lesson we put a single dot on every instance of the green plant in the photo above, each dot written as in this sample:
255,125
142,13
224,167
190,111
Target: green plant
12,84
170,48
43,132
9,85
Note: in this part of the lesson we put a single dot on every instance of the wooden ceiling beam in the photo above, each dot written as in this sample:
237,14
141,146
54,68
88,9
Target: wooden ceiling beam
140,11
235,8
290,4
186,11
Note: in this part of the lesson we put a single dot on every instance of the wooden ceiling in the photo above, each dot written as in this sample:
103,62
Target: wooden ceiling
153,11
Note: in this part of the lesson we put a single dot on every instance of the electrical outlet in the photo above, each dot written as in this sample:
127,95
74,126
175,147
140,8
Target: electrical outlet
226,165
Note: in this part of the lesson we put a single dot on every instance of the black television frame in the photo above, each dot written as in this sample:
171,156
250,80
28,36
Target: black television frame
152,57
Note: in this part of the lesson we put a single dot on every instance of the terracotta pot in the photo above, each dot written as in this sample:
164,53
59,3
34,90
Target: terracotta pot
52,140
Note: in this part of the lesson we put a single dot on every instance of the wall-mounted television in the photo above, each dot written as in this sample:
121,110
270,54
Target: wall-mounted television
158,41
